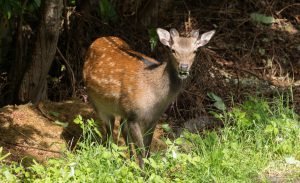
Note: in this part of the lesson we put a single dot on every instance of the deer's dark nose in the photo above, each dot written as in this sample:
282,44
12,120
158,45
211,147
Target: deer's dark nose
184,67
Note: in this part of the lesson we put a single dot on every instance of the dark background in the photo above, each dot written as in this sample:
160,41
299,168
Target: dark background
43,45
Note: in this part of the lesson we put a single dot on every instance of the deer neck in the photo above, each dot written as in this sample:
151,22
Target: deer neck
171,74
164,81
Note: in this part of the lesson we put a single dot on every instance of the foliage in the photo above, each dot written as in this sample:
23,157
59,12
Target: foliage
153,38
72,2
218,102
166,127
7,8
90,130
259,137
261,18
3,156
108,12
10,12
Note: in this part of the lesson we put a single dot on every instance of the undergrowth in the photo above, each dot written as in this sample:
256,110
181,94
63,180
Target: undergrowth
259,143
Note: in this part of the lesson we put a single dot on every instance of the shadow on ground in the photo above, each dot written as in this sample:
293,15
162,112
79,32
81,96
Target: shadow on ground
47,130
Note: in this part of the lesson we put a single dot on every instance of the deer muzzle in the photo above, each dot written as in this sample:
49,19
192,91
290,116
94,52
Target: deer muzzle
183,71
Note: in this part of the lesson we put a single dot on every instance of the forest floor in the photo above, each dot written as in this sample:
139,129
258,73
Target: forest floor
48,135
45,131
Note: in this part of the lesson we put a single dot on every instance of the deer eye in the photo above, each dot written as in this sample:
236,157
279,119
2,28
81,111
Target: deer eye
173,51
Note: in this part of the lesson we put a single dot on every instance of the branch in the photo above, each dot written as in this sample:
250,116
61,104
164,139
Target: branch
69,69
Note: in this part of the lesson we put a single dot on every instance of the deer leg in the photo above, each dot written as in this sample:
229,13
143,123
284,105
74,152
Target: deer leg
126,136
106,125
147,140
137,139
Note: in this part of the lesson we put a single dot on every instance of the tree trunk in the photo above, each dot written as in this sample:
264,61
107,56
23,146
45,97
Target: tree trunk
33,86
16,72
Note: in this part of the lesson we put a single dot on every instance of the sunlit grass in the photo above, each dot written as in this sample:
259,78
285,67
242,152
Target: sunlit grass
259,143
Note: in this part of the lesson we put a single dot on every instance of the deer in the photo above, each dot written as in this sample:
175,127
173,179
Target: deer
124,83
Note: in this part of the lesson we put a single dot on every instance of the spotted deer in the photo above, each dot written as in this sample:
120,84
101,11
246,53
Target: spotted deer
138,89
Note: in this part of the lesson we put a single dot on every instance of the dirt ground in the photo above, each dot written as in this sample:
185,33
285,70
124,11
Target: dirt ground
30,132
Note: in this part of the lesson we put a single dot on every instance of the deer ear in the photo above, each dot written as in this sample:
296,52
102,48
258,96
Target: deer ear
164,36
174,32
194,33
205,38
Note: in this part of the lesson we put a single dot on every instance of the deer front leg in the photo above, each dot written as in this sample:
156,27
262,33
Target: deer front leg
137,139
147,140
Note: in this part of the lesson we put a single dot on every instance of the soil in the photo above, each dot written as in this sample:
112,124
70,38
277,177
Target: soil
37,132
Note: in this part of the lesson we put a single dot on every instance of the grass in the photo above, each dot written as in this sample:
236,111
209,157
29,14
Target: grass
259,143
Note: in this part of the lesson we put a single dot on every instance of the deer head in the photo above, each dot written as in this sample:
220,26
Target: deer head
183,49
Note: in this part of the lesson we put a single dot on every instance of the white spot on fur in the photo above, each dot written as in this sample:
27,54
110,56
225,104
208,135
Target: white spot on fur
112,94
94,76
107,41
99,63
115,94
111,63
129,89
115,82
93,44
110,81
92,55
102,56
119,70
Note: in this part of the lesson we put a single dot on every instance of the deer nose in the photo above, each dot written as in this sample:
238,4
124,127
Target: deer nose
184,67
183,71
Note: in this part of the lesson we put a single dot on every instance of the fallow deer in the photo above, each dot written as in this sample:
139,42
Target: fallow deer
125,83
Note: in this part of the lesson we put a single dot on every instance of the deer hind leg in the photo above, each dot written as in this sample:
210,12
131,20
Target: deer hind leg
126,136
106,125
137,138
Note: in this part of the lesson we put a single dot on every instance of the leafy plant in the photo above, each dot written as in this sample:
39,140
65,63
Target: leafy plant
153,38
219,104
166,127
262,18
3,156
108,12
72,2
90,129
8,8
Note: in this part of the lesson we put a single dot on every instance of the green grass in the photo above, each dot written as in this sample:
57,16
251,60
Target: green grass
259,143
